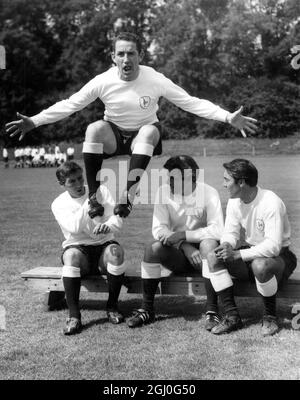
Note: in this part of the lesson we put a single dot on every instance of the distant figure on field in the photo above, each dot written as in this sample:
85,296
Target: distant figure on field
70,153
5,157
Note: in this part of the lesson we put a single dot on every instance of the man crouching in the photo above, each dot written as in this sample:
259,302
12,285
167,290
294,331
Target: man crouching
264,257
89,247
187,225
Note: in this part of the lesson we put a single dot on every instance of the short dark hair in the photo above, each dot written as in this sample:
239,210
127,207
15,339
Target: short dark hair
240,168
65,170
129,37
183,162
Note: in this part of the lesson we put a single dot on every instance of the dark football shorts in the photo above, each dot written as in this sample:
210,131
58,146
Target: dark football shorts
93,254
124,140
290,264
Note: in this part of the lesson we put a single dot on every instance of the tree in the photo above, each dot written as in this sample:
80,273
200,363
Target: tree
231,52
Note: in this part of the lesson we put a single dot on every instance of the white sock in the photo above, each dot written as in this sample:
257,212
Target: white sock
94,148
143,148
150,270
205,269
68,271
267,289
116,269
221,280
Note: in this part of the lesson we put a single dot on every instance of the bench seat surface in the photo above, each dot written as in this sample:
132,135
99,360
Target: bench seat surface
48,279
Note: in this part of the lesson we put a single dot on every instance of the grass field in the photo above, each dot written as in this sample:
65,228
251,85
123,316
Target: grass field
176,346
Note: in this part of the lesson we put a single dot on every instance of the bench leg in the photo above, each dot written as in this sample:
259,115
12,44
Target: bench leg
54,300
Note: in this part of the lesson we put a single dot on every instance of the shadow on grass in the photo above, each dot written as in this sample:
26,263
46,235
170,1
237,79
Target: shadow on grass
166,307
94,322
191,309
251,310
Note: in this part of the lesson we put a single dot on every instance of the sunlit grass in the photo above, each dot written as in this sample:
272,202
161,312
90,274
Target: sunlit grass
176,346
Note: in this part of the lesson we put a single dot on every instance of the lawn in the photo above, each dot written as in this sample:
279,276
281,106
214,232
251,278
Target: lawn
176,346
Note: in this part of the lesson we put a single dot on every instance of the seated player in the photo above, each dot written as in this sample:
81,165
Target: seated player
88,246
184,232
265,258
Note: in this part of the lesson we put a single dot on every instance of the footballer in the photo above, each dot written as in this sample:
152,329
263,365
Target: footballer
184,232
88,248
263,256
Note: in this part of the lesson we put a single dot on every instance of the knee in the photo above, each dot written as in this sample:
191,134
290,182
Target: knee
153,252
149,134
114,257
114,254
207,246
73,257
74,260
97,131
260,268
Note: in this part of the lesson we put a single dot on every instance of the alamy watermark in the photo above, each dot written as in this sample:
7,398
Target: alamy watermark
296,318
2,57
181,186
295,62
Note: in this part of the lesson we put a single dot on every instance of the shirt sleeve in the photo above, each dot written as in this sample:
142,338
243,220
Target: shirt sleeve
273,234
202,108
215,221
62,109
73,222
232,227
161,218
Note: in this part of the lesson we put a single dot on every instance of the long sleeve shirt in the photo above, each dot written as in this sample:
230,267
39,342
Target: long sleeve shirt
265,222
130,104
200,219
75,223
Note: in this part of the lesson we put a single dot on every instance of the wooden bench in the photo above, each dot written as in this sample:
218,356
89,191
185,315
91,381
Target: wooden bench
48,280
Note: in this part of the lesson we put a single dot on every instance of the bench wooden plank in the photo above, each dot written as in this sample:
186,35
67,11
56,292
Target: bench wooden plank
48,279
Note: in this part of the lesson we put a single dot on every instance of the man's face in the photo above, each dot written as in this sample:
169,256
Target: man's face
75,185
127,59
181,183
234,189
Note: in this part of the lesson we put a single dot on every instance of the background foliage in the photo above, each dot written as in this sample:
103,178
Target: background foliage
231,52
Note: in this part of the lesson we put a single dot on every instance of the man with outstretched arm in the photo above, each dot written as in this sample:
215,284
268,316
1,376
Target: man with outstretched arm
130,93
88,247
264,257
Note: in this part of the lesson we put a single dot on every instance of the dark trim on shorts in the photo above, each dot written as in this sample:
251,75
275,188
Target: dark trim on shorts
290,264
289,259
124,140
92,252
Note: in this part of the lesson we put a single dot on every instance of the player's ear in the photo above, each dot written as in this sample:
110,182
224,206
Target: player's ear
141,55
61,183
241,182
113,57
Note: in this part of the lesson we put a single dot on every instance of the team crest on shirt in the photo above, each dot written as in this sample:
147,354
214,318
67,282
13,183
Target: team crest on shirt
260,225
145,101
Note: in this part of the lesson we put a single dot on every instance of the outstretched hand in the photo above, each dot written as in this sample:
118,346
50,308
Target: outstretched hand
19,127
242,123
